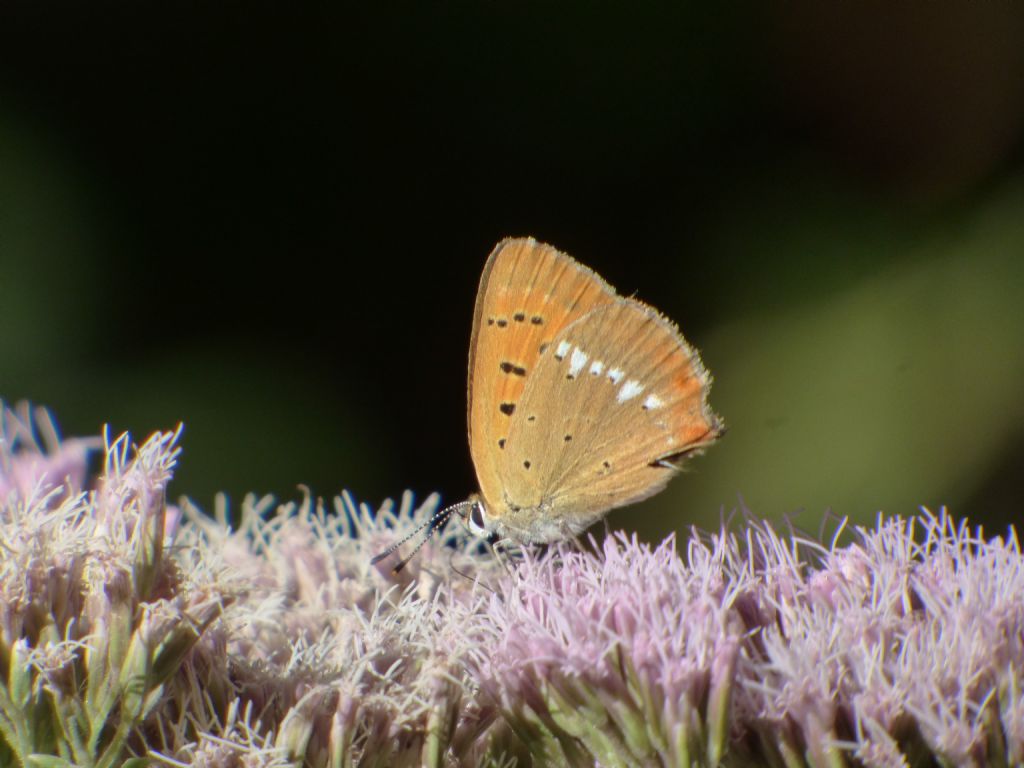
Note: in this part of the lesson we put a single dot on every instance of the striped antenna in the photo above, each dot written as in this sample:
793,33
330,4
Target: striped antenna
436,522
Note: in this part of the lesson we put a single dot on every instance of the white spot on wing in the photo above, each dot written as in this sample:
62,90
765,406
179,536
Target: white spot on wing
629,390
615,374
652,402
577,361
596,367
563,350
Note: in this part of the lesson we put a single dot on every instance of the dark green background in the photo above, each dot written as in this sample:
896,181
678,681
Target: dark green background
267,220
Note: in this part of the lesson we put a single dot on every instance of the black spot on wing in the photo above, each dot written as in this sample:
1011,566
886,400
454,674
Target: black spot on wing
512,368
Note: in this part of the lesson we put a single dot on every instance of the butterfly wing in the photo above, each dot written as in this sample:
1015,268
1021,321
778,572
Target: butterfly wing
616,398
529,292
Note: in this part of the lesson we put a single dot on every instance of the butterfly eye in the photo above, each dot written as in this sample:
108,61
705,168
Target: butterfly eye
477,521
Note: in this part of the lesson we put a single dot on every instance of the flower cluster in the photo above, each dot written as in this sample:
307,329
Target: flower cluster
626,658
133,631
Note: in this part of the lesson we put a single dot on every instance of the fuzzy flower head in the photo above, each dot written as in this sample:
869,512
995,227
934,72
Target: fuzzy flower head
35,464
349,658
628,654
904,642
93,618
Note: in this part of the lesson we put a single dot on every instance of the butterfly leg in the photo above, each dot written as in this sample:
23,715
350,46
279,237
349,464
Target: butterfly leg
505,550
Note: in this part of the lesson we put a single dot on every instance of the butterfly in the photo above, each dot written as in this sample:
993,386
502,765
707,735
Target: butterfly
580,400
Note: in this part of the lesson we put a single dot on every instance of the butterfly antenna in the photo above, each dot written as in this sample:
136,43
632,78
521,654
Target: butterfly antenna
435,522
381,555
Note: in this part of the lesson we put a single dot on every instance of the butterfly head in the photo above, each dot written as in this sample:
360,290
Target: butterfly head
476,520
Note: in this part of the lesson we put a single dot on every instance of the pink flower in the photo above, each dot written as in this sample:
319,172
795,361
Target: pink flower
629,654
31,471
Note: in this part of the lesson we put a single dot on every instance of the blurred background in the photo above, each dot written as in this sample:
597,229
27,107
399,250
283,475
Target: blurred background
267,221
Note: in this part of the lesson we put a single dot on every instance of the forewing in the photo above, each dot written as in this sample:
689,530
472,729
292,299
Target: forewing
529,292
